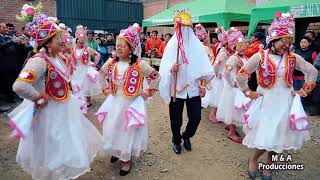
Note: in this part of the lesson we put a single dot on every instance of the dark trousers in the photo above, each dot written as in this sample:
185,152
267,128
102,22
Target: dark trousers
253,84
194,115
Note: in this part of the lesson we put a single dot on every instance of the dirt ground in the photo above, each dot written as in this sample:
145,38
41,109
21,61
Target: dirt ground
213,156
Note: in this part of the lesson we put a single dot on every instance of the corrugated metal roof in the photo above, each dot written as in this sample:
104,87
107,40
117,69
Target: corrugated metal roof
110,15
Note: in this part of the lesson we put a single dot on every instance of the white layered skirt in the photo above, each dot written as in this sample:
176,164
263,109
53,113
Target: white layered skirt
61,144
227,111
269,123
88,86
124,138
216,92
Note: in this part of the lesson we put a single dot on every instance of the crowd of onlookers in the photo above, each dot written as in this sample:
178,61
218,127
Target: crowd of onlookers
309,49
152,44
14,48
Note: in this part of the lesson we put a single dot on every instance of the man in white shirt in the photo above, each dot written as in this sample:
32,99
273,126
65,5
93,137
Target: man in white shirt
193,71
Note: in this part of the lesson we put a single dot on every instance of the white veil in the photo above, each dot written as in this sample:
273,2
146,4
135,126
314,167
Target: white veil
198,66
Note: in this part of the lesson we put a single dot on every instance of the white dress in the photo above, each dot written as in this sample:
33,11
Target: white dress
119,141
208,99
271,128
62,142
227,112
88,87
217,83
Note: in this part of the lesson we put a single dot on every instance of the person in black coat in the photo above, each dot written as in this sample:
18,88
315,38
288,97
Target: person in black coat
13,52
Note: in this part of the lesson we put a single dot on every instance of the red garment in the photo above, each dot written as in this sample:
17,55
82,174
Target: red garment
252,49
161,49
153,43
214,48
314,56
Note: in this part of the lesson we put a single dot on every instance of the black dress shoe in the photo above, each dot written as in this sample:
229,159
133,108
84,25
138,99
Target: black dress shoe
5,108
114,159
123,172
187,144
177,148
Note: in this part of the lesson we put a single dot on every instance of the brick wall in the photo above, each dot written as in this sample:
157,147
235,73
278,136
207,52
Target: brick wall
314,27
174,2
154,7
10,8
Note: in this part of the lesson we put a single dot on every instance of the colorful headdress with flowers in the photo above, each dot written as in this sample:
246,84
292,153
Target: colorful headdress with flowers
39,26
222,35
81,32
201,32
283,26
182,17
235,37
131,36
67,38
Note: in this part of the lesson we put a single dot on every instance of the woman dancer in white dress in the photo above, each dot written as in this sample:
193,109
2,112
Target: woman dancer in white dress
270,125
56,140
202,35
123,113
81,55
218,66
227,112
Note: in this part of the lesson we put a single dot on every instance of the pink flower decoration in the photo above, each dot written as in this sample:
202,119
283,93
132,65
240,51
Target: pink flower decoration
139,29
278,14
30,11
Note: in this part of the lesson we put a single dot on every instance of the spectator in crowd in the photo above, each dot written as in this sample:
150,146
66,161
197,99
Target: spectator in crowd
160,36
24,32
307,53
316,43
205,42
103,52
148,35
101,36
312,36
153,45
115,36
11,29
106,36
255,44
316,92
91,42
4,40
110,45
254,47
164,44
214,42
143,41
13,52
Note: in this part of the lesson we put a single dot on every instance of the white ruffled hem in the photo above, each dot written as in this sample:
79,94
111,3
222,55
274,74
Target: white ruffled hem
61,175
279,149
